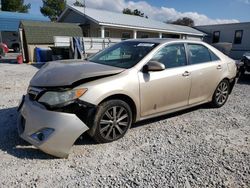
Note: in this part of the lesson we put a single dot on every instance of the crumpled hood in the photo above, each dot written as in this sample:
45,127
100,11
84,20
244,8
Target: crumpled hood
67,72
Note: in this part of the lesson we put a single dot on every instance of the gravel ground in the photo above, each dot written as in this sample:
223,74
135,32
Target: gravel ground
201,147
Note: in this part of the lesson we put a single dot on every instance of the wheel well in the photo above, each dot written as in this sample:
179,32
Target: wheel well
231,84
126,99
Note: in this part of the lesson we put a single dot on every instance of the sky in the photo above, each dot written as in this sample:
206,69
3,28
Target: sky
203,12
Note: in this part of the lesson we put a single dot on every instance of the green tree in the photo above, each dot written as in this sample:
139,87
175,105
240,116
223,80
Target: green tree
15,6
127,11
135,12
138,13
53,8
183,21
78,4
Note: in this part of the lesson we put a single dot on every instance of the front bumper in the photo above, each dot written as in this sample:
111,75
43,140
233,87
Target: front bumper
34,118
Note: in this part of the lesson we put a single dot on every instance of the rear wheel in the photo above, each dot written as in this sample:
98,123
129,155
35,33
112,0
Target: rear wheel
112,121
221,94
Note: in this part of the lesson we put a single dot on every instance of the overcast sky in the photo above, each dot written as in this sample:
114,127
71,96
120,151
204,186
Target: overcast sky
203,12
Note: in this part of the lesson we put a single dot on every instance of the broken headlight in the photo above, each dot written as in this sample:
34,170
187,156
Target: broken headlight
53,98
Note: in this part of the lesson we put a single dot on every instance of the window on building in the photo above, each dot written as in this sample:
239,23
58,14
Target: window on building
107,33
86,32
126,35
144,36
216,37
238,36
164,35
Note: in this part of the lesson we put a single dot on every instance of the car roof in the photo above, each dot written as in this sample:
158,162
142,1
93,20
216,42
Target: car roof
163,40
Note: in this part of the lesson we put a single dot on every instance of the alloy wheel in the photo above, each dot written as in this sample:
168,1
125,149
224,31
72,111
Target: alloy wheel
222,93
114,123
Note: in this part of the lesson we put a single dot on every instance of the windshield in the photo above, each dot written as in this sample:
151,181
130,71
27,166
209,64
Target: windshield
123,55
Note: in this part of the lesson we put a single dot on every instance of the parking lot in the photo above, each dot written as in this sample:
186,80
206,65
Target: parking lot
198,147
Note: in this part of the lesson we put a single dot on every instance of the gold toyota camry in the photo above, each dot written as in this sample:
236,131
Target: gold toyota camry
125,83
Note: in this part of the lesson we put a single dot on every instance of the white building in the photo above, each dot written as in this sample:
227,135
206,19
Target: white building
100,23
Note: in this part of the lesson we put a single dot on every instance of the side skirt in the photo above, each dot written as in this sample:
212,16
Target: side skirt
172,111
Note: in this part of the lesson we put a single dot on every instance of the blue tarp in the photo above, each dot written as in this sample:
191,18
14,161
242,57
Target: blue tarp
9,21
43,55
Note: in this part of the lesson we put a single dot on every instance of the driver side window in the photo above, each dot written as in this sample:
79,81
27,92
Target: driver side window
171,56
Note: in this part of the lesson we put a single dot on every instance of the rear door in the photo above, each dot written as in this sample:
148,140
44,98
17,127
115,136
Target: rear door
168,89
206,71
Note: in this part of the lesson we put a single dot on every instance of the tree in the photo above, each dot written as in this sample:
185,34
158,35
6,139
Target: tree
15,6
127,11
78,4
135,12
138,13
183,21
53,8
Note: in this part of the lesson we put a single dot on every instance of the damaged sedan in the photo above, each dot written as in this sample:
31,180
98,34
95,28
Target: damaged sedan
125,83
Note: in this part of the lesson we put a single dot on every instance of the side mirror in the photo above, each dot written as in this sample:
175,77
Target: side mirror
153,66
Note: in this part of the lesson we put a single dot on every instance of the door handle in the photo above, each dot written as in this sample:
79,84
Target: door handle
186,73
219,67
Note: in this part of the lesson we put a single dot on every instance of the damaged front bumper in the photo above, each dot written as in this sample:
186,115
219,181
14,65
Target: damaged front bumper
50,131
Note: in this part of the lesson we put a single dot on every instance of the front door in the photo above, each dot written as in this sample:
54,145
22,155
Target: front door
168,89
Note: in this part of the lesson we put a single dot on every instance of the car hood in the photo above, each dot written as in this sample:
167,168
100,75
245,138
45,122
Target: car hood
66,73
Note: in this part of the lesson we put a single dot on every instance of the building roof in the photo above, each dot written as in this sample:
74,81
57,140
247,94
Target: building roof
9,21
44,32
107,18
224,25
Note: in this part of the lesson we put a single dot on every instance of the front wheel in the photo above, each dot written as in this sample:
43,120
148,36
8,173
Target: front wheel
112,120
221,94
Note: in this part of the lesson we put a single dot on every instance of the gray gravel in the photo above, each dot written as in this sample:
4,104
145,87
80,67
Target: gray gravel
201,147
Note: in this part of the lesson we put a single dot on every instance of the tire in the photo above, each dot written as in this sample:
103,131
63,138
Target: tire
221,94
106,126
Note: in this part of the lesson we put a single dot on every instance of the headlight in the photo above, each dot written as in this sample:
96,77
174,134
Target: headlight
54,98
